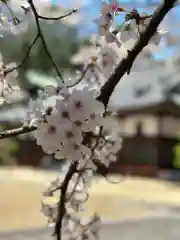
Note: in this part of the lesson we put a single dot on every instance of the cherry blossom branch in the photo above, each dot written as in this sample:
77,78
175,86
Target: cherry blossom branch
80,79
25,57
41,36
61,207
17,131
58,18
126,63
64,186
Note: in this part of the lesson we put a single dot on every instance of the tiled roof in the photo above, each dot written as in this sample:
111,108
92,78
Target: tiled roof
142,89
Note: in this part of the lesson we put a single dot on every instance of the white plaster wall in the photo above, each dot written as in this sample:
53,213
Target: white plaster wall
171,126
150,125
128,125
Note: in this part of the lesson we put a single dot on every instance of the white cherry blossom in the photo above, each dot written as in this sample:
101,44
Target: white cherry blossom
108,60
94,75
48,136
50,210
52,186
80,104
131,31
74,151
106,157
70,133
62,115
94,120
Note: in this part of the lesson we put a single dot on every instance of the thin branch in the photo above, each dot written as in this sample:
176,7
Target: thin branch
42,38
58,18
61,207
80,79
25,57
17,131
126,63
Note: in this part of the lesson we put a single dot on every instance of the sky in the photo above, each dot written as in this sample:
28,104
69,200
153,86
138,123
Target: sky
90,9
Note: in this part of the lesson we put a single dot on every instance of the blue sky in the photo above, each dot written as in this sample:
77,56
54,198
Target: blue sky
90,10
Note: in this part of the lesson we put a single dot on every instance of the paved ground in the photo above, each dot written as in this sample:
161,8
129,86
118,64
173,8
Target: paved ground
134,188
130,197
149,229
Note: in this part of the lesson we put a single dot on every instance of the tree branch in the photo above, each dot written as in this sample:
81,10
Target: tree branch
61,207
42,38
17,131
126,63
58,18
25,57
80,79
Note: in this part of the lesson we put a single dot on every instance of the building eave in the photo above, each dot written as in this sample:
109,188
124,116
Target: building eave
162,108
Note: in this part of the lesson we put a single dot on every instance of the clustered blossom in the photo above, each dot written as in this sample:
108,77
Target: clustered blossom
61,127
102,66
113,43
73,226
61,130
103,148
135,25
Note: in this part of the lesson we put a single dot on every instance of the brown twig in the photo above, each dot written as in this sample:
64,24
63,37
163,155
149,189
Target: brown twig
25,57
41,36
61,207
17,131
58,18
80,79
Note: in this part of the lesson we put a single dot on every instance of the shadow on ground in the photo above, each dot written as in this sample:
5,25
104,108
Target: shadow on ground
150,228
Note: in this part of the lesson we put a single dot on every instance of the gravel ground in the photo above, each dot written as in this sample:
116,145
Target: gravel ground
159,228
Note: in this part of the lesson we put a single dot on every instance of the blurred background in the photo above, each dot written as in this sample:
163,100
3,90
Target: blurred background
147,116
